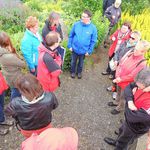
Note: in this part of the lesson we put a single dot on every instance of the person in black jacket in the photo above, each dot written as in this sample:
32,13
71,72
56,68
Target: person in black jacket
52,24
32,110
137,112
106,4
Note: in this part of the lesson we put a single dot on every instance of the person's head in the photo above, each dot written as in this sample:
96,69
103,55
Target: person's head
29,86
135,36
52,39
5,42
117,3
54,18
32,24
141,47
86,16
143,78
126,27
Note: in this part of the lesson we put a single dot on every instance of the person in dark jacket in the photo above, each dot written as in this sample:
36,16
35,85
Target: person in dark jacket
106,4
32,110
137,112
52,24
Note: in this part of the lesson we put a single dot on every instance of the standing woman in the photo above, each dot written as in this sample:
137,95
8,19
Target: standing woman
30,43
11,64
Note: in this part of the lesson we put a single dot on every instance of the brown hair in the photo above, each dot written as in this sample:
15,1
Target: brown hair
31,22
51,38
29,86
52,16
128,24
5,42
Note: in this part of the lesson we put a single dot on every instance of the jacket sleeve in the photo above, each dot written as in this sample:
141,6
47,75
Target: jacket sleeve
10,109
51,65
93,40
72,33
128,94
108,13
55,102
26,48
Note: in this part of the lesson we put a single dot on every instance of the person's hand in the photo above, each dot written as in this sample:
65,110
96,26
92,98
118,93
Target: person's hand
147,89
87,54
113,17
131,105
70,49
116,63
117,80
113,38
32,70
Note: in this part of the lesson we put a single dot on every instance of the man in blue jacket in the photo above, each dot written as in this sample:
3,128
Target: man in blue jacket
82,39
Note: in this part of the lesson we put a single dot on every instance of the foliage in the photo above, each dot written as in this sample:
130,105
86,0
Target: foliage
135,7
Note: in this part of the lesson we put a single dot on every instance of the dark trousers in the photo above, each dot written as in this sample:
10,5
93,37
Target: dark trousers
108,67
14,93
126,137
74,58
2,118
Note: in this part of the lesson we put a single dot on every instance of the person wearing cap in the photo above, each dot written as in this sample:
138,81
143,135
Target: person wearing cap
137,112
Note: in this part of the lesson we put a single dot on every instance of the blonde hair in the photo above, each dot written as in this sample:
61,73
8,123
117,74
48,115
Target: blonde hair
31,22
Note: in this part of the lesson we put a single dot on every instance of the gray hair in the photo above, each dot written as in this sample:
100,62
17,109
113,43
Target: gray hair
54,15
143,77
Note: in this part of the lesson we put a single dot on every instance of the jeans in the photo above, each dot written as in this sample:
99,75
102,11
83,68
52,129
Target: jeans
74,59
14,93
2,96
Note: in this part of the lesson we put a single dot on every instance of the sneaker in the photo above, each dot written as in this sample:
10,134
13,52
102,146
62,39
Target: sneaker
110,89
115,112
7,123
111,76
79,75
3,131
73,75
105,73
114,96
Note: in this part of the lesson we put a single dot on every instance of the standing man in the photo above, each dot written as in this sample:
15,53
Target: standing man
82,39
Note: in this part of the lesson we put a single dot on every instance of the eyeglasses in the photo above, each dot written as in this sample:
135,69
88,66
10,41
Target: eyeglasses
84,16
132,38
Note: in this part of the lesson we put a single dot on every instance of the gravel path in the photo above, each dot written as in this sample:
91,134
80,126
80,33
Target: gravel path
82,105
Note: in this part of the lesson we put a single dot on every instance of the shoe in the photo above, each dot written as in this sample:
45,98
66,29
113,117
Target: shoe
105,73
111,76
4,131
114,96
73,75
115,112
116,132
7,123
79,75
111,89
111,104
110,141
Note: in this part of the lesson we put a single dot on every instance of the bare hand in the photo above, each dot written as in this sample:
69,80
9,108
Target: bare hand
113,17
117,80
32,70
70,49
113,38
131,105
86,54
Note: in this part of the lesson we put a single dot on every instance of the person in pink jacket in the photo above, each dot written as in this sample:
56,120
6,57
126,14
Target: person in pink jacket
53,139
117,38
130,65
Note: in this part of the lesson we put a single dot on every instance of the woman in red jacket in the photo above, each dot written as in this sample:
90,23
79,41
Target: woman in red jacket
3,87
126,71
49,63
118,37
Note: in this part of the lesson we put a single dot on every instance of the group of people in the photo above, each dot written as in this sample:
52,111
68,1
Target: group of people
32,99
130,75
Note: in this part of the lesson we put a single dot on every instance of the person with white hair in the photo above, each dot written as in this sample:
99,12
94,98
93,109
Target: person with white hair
137,112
